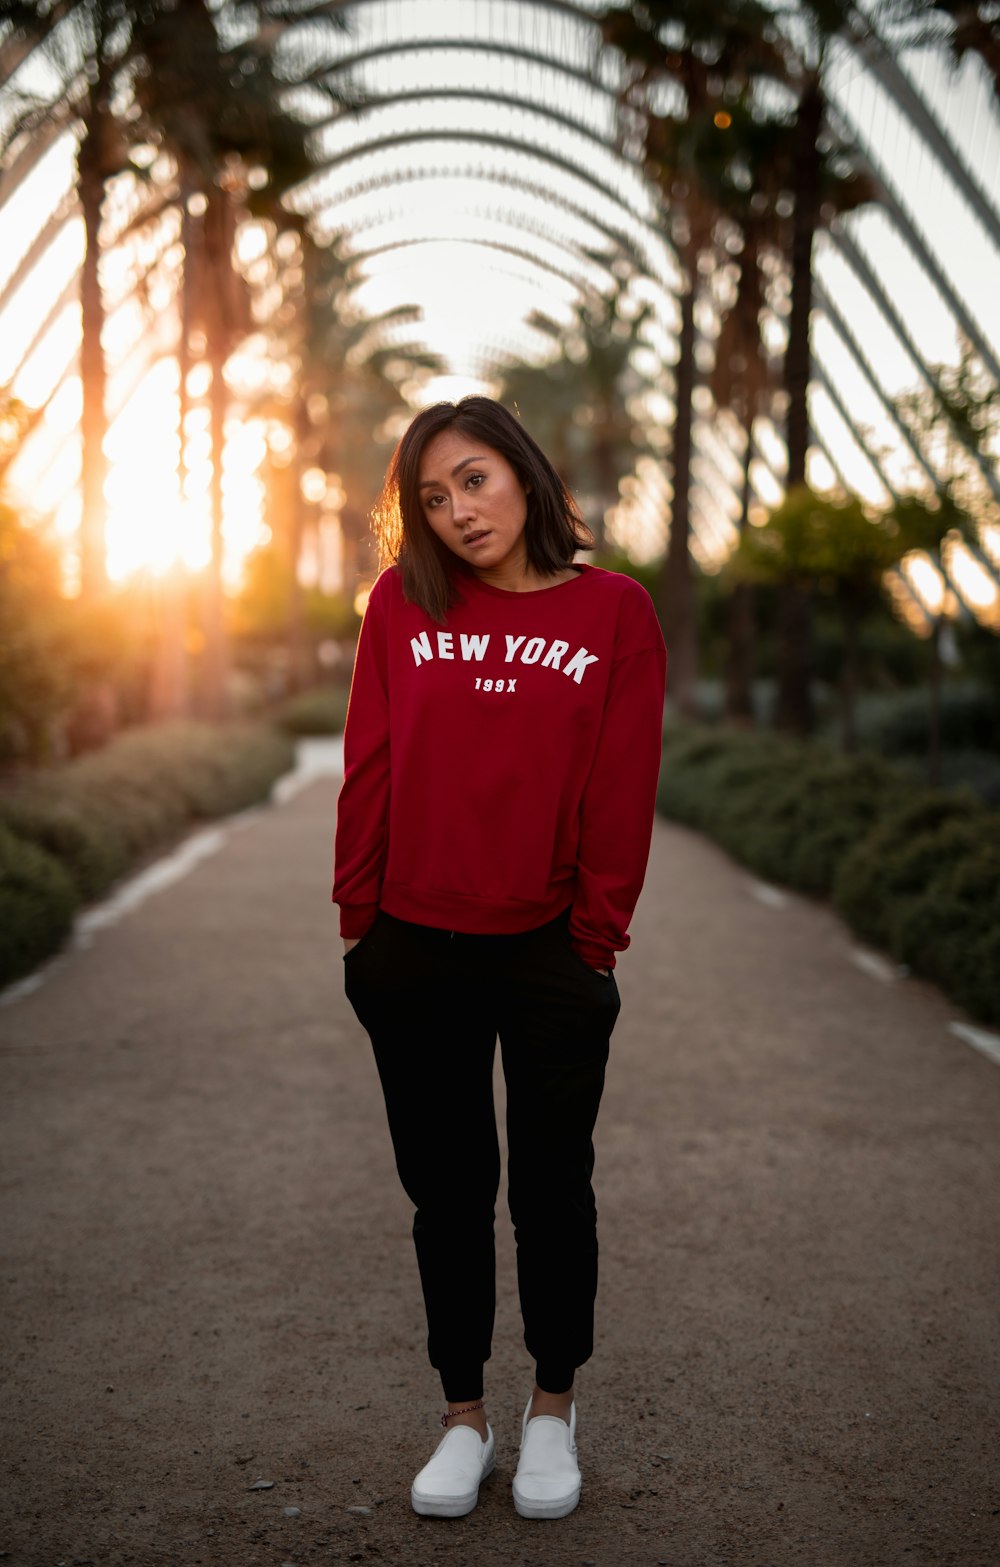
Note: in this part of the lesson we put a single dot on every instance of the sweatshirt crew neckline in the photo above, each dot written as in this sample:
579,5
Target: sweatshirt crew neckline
581,570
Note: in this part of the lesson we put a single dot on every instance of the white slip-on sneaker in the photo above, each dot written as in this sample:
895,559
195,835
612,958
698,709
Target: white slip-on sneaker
547,1483
448,1484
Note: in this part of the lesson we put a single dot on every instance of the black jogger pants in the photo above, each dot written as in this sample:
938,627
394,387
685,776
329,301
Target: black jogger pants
433,1003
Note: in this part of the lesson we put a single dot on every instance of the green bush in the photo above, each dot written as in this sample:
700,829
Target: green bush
952,934
98,814
718,780
803,828
37,901
975,770
893,864
86,823
787,810
912,869
899,724
687,754
197,769
321,711
91,850
33,676
140,804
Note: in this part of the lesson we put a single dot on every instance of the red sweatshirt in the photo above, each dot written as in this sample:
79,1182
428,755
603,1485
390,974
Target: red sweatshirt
500,768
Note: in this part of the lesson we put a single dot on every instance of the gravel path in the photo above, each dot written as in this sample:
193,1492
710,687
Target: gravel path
208,1280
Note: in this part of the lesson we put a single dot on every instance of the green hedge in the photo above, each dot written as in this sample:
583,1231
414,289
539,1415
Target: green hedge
321,711
909,868
892,865
951,934
83,825
898,723
37,902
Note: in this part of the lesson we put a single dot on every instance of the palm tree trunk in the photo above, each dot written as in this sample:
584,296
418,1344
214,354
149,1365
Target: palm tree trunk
604,463
93,373
296,599
794,707
169,697
798,361
676,587
793,710
739,689
216,668
934,725
849,677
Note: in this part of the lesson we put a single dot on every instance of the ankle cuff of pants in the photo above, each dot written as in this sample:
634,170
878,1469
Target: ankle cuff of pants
553,1377
462,1386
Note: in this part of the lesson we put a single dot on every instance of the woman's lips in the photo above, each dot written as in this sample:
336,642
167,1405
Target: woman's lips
472,539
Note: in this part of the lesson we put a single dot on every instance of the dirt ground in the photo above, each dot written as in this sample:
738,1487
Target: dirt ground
208,1279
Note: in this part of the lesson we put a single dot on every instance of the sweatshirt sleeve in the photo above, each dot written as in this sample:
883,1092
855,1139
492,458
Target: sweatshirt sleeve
363,803
619,798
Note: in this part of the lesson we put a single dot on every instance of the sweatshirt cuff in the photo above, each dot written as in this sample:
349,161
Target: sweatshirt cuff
594,957
356,920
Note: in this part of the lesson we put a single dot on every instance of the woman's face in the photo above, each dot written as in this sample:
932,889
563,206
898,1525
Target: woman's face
473,500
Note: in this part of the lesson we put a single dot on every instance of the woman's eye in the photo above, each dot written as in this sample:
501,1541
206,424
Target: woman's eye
479,477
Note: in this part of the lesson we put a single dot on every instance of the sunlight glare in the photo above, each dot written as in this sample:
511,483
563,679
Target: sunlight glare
926,581
149,525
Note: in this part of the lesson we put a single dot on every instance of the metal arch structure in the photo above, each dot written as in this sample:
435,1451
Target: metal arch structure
869,47
876,58
886,69
890,77
613,234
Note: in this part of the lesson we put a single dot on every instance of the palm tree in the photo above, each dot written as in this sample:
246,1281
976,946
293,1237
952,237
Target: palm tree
963,26
824,182
738,382
577,403
217,106
747,190
89,45
345,395
704,57
546,398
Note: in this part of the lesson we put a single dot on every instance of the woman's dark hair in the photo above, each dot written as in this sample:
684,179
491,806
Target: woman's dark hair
554,529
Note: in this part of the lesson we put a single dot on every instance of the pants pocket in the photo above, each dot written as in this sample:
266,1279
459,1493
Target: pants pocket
360,946
603,978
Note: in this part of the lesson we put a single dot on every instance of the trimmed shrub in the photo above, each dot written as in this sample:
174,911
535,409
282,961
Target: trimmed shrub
92,851
321,711
899,725
952,933
975,770
912,869
892,865
98,814
737,788
82,826
37,902
787,810
803,828
200,770
703,768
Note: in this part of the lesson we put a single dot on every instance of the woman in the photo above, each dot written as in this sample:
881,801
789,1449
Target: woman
501,754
